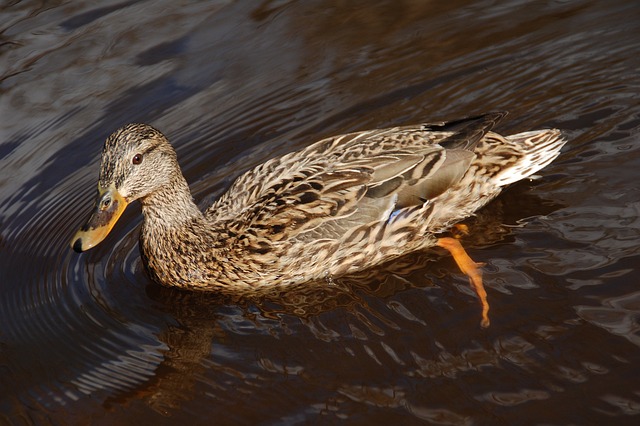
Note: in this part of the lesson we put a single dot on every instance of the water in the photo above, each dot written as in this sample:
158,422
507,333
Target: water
89,339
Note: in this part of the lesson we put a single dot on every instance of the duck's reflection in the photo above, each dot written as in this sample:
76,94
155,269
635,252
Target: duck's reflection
199,323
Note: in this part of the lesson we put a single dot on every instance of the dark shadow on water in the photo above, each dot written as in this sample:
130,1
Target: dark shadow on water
191,342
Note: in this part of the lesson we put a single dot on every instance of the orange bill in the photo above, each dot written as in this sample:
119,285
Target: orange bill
109,207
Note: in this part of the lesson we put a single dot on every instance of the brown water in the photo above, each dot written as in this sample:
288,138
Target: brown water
89,339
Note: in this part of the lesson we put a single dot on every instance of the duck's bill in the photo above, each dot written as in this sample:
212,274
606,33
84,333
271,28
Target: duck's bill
109,206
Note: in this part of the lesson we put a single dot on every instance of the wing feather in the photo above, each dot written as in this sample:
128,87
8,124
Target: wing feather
348,181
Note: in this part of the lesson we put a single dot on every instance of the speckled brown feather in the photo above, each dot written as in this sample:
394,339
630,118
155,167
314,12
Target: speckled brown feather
338,206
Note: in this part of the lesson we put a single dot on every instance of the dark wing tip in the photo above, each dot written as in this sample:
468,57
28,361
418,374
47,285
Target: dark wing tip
467,131
489,118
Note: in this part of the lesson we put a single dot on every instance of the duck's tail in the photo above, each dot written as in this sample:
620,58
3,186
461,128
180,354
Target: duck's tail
535,149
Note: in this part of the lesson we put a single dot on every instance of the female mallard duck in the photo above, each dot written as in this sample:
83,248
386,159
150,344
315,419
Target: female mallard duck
341,205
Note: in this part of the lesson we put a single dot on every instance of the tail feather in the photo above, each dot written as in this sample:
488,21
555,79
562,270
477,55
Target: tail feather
537,149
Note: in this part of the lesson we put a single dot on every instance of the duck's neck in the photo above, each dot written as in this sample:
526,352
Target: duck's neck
170,207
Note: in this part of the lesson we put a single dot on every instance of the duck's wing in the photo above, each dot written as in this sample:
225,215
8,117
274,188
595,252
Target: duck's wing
350,180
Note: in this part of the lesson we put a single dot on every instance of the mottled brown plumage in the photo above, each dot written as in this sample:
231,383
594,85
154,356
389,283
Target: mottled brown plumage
338,206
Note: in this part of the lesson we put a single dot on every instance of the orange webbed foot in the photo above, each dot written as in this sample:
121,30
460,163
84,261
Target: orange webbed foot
459,230
470,269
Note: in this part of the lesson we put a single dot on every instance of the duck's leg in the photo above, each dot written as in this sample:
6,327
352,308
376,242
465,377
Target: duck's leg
470,269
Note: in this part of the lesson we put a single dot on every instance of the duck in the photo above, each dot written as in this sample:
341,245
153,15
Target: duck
338,206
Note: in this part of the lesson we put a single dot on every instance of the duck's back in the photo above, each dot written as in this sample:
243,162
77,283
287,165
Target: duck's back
381,192
383,160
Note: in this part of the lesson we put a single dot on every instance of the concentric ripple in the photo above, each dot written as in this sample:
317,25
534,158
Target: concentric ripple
67,303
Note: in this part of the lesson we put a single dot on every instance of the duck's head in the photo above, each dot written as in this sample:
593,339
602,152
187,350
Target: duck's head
137,160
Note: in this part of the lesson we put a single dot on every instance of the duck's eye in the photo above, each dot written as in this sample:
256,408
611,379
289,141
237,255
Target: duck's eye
137,159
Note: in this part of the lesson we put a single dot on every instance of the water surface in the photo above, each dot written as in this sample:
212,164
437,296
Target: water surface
89,339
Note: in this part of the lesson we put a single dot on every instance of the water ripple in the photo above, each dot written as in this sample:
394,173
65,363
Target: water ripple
88,337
